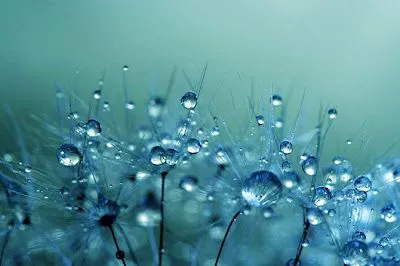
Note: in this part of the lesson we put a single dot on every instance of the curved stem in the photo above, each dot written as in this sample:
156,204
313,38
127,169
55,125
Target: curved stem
306,228
226,235
161,244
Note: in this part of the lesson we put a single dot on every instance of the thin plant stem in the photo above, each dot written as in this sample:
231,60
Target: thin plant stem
234,218
161,244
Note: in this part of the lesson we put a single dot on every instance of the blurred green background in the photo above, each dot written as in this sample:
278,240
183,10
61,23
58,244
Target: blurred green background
344,53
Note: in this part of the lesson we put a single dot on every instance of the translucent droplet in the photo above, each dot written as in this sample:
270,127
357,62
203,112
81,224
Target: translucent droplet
68,155
314,216
215,131
125,68
355,253
183,128
360,236
193,146
361,196
188,183
267,212
290,179
349,142
93,128
155,107
189,100
262,188
310,166
388,213
130,105
322,196
363,183
157,155
286,147
278,123
97,94
332,113
260,120
276,100
28,169
171,156
148,216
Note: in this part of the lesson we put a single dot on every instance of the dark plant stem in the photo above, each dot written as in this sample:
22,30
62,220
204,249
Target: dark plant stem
132,253
226,235
161,244
119,251
306,228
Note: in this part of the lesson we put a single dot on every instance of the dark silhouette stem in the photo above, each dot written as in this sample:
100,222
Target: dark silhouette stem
116,244
161,244
226,235
300,247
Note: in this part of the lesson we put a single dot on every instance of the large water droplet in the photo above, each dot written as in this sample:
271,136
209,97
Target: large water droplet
157,155
93,128
193,146
286,147
310,165
322,196
355,253
68,155
262,188
363,183
189,100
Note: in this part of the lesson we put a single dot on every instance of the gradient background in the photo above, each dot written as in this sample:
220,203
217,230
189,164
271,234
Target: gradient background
344,53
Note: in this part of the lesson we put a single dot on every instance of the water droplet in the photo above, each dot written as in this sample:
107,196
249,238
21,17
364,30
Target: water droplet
310,165
28,169
125,68
363,183
97,94
193,146
276,100
314,216
215,131
322,196
130,105
290,179
93,128
68,155
267,212
332,113
171,156
360,236
189,100
260,120
262,188
388,213
355,253
278,123
188,183
361,196
157,155
155,107
286,147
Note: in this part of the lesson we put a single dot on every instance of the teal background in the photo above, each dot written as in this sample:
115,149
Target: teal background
344,53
